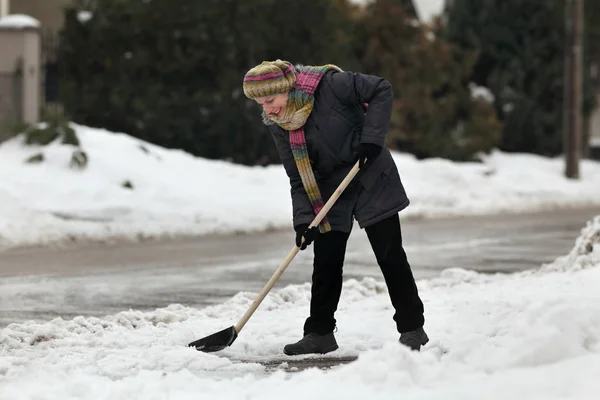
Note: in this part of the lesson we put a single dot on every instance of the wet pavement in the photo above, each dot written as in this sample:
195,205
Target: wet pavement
100,279
292,364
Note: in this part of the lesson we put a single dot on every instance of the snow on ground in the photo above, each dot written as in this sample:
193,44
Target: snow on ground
533,335
175,193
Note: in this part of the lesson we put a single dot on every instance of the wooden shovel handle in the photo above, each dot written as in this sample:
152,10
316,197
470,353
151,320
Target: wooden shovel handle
284,264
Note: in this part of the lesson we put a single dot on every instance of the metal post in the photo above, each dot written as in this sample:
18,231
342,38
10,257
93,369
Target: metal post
573,86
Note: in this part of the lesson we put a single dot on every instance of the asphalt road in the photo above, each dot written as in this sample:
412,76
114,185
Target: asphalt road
99,279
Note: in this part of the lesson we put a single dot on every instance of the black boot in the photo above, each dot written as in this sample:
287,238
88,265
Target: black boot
312,343
414,339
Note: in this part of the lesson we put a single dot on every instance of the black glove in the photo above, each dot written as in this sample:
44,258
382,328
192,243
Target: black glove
308,234
367,153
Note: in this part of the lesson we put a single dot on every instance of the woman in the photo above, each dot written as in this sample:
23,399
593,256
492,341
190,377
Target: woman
322,121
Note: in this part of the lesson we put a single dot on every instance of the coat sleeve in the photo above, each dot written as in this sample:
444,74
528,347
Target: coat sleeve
302,209
355,89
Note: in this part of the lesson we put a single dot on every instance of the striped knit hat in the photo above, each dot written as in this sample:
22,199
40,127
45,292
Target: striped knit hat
269,78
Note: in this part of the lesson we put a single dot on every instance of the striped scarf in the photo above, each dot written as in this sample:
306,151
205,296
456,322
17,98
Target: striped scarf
299,106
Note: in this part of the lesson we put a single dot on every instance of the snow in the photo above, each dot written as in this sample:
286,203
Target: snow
84,16
481,92
18,21
533,334
426,10
175,193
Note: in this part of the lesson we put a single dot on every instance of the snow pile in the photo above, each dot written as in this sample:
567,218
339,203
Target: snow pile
525,335
132,190
172,193
585,253
16,220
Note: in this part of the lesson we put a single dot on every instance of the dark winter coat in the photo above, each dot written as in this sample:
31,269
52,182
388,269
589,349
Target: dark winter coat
334,130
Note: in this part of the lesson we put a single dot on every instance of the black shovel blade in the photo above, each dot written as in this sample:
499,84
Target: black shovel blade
216,341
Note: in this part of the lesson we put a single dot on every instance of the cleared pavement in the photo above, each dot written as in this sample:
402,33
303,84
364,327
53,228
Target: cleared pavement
97,279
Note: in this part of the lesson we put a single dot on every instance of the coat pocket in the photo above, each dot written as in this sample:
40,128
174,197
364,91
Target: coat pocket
381,166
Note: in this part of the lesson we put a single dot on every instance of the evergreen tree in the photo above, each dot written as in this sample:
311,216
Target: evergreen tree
170,71
434,114
521,46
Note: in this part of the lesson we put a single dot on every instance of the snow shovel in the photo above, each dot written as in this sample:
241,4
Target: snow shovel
222,339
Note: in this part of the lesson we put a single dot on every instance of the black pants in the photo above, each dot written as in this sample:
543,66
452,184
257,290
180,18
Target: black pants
329,252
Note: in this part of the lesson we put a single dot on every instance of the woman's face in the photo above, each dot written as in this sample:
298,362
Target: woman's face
273,105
